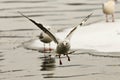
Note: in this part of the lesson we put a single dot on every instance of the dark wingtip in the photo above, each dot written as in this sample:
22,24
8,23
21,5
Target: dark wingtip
91,14
85,19
33,21
23,15
81,24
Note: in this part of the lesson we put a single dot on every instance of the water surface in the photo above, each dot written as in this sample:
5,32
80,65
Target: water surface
22,64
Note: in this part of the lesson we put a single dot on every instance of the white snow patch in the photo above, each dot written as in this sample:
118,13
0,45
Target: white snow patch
100,36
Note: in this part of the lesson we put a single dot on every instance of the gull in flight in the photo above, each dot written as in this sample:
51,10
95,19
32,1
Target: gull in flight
63,46
43,37
109,9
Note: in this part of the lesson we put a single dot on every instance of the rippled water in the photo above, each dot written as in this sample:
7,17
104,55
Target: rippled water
22,64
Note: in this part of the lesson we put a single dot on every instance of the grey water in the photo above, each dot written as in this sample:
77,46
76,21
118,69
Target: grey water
22,64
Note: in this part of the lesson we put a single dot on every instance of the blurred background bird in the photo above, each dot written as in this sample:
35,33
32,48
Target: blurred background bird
46,40
43,37
109,9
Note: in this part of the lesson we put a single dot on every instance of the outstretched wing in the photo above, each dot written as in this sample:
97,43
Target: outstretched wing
42,28
70,33
83,22
85,19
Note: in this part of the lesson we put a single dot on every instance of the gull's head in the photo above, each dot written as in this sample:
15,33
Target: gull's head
65,43
41,36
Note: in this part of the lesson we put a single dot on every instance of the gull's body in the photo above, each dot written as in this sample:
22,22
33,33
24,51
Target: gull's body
45,39
109,9
63,46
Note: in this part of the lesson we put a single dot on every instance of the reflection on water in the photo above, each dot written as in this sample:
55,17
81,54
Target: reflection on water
48,64
1,56
48,75
1,59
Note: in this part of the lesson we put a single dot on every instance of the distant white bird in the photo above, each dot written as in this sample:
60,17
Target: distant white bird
109,9
63,46
43,37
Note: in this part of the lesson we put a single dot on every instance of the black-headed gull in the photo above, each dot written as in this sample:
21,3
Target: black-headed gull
63,46
45,39
109,9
